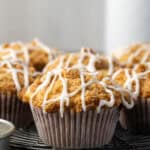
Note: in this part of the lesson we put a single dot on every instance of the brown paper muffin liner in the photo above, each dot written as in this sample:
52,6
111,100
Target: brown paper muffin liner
14,110
138,118
76,130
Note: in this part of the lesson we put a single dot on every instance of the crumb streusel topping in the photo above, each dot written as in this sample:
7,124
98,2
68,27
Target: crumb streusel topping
76,82
135,54
137,80
14,76
35,53
86,58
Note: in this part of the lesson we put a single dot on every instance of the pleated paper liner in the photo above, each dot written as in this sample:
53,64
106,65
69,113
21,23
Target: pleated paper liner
137,119
76,130
14,110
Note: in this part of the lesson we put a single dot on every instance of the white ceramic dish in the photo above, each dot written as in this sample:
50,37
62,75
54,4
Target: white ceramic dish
6,129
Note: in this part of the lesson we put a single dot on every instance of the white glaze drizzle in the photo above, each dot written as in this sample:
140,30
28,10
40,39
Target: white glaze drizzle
26,55
24,49
83,85
124,101
132,76
11,56
15,72
105,102
137,52
48,81
145,57
133,55
111,66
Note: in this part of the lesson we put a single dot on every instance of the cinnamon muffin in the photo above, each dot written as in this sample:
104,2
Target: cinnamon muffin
35,53
135,54
14,77
74,104
137,80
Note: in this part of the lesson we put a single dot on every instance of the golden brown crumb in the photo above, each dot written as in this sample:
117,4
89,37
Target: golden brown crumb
93,95
144,80
7,83
137,53
39,56
101,63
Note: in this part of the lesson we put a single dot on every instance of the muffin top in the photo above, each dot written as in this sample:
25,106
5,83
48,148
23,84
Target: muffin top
86,58
76,82
14,76
137,80
35,53
135,54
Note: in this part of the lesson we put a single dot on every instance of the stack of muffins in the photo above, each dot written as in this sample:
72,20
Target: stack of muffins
77,99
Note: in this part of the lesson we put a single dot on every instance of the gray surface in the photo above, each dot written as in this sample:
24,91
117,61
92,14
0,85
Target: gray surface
123,140
29,140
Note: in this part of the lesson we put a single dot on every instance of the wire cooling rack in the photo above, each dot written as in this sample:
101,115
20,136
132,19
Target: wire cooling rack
123,140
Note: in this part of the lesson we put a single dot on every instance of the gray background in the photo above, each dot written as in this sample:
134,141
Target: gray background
67,24
71,24
127,21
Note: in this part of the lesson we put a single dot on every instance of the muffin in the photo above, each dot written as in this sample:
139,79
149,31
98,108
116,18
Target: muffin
14,78
34,53
137,80
74,104
135,54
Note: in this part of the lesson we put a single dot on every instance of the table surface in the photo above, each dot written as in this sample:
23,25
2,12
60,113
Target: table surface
29,140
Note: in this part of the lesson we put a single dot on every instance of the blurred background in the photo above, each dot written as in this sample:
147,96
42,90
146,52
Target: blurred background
70,24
